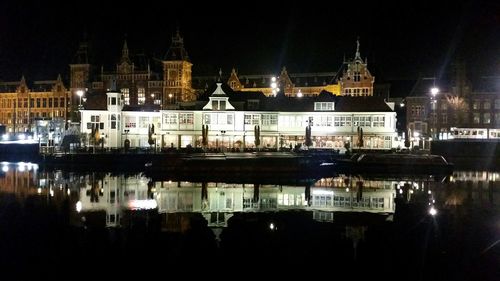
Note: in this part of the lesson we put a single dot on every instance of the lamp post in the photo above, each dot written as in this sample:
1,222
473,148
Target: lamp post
434,92
170,98
274,86
80,94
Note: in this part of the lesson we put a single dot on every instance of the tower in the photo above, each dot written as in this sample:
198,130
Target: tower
177,73
356,79
79,74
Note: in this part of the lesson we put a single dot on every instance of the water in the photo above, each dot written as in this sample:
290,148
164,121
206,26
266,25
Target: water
415,228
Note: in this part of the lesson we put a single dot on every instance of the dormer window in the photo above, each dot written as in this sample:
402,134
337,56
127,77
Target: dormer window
218,104
324,106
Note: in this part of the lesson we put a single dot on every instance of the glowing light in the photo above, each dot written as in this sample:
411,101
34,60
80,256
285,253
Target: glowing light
142,204
402,104
432,211
274,85
5,168
273,79
39,190
5,136
272,226
434,91
69,192
78,206
347,189
51,192
299,94
21,167
429,192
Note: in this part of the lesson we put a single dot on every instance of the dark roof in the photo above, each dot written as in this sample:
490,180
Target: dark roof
304,104
264,80
176,50
81,56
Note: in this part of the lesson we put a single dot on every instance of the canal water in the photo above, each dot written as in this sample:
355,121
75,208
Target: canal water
63,224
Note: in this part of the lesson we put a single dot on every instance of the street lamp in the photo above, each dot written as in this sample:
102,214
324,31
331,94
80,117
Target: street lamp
170,97
299,94
80,94
434,92
274,86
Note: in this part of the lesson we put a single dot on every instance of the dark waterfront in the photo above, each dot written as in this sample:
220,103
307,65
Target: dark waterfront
64,223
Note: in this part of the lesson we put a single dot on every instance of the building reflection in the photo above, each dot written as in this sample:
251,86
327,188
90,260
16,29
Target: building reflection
178,201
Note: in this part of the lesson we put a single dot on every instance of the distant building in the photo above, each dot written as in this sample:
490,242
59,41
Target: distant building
456,111
21,104
352,79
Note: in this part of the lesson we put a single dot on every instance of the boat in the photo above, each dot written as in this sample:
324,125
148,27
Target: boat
396,163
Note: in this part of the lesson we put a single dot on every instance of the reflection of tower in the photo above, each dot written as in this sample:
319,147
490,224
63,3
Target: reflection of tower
356,233
177,73
256,193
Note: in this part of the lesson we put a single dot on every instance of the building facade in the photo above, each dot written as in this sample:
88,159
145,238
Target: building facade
21,105
458,113
232,118
134,78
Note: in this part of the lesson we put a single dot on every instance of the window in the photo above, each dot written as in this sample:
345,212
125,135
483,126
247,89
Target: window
475,104
417,110
230,119
141,95
126,96
130,122
444,118
170,118
113,121
486,118
252,119
497,118
37,102
186,118
378,121
326,121
215,105
222,105
476,118
113,101
143,121
44,102
497,104
269,119
487,104
362,121
324,106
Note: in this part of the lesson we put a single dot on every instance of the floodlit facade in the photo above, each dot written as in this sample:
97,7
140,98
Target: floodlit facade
232,119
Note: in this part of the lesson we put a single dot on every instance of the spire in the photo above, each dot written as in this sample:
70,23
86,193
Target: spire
177,51
358,55
23,81
59,79
233,71
220,75
125,56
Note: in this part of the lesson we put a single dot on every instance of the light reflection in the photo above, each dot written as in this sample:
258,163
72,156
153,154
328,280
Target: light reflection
432,211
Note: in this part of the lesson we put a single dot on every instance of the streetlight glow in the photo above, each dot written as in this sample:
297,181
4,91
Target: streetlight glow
434,91
299,94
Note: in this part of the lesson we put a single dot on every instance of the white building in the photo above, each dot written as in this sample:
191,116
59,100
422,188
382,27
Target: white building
232,117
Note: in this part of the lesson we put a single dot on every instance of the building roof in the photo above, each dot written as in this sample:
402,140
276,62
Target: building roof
177,51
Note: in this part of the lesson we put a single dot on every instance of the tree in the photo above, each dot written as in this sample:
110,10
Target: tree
204,135
407,138
360,137
257,136
308,141
151,131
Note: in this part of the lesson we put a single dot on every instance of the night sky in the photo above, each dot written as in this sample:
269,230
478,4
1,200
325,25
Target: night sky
38,39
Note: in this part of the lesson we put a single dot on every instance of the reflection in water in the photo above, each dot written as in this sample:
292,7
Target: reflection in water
370,214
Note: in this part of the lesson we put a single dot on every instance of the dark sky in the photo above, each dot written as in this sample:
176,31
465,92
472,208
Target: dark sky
38,39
